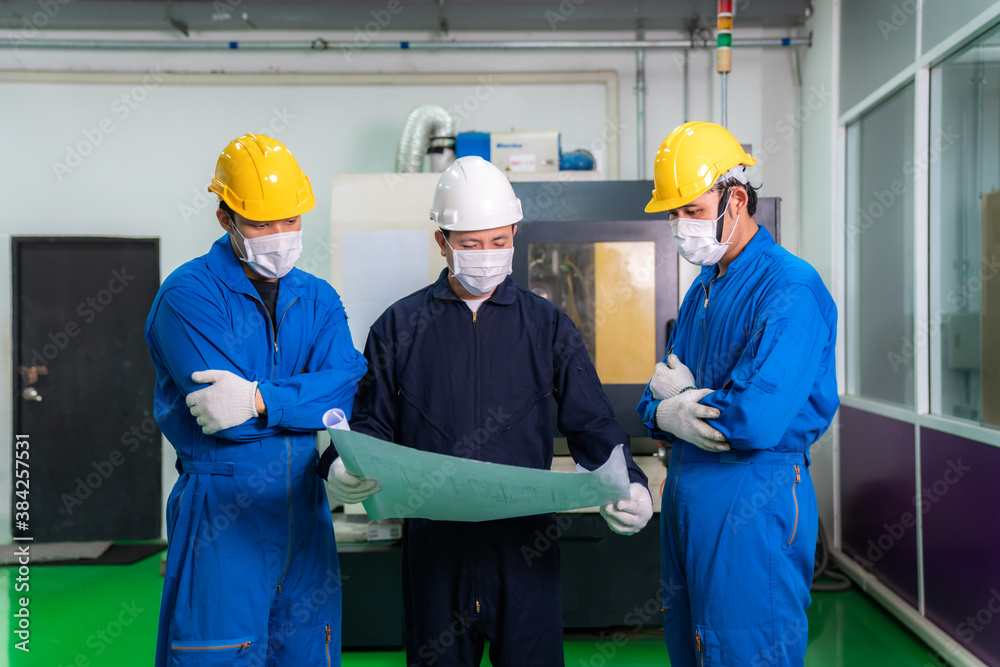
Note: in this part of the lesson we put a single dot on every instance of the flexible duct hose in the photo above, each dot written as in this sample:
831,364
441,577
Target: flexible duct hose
425,122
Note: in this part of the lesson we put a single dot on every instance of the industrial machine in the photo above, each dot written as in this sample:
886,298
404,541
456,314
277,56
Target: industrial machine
592,250
430,130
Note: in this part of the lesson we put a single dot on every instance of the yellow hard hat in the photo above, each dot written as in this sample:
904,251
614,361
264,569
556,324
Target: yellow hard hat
690,161
259,179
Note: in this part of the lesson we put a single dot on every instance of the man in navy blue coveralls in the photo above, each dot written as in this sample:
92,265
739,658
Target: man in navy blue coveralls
249,353
748,385
466,367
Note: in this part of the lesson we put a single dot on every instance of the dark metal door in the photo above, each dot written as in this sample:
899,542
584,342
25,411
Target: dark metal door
83,387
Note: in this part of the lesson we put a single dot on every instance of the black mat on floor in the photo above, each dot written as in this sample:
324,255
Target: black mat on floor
117,554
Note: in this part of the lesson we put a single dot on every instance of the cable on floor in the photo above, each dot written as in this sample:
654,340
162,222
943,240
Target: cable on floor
838,581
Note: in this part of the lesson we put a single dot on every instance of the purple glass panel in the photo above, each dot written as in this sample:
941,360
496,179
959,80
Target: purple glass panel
878,483
960,482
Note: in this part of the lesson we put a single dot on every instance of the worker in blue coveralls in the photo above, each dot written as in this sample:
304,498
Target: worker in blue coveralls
249,353
748,385
466,367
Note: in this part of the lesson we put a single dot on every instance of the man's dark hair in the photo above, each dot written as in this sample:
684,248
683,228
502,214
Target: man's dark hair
225,207
724,186
447,232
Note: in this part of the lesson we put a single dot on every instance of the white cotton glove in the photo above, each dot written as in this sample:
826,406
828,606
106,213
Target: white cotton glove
670,378
685,417
347,488
627,517
227,401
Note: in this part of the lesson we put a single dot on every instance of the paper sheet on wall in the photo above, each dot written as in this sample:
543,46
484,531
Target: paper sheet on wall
425,485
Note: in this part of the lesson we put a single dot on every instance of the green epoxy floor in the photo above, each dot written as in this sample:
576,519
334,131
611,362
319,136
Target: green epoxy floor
107,615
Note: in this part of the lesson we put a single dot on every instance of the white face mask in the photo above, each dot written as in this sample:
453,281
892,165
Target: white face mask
272,256
480,271
695,238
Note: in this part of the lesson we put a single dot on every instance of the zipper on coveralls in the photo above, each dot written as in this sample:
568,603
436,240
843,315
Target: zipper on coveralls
475,409
288,448
673,506
475,375
795,526
328,640
243,646
698,647
277,326
288,494
680,462
704,332
271,326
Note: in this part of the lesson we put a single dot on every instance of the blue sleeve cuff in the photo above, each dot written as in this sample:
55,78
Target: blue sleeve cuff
274,411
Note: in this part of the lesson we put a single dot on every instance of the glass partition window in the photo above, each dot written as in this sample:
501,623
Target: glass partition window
965,234
880,269
877,40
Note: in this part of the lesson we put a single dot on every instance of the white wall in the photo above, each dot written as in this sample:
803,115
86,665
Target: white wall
147,175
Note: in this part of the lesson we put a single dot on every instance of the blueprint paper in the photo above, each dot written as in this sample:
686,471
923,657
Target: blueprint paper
425,485
336,419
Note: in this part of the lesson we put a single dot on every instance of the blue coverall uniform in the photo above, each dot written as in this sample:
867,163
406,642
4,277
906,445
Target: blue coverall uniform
252,575
477,385
739,528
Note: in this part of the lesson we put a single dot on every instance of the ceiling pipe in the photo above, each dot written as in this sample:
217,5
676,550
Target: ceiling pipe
640,111
357,47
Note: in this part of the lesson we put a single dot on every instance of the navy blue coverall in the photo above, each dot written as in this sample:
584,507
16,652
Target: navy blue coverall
739,528
477,385
252,575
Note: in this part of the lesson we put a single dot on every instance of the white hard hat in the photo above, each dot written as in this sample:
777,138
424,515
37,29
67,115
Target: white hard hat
473,194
